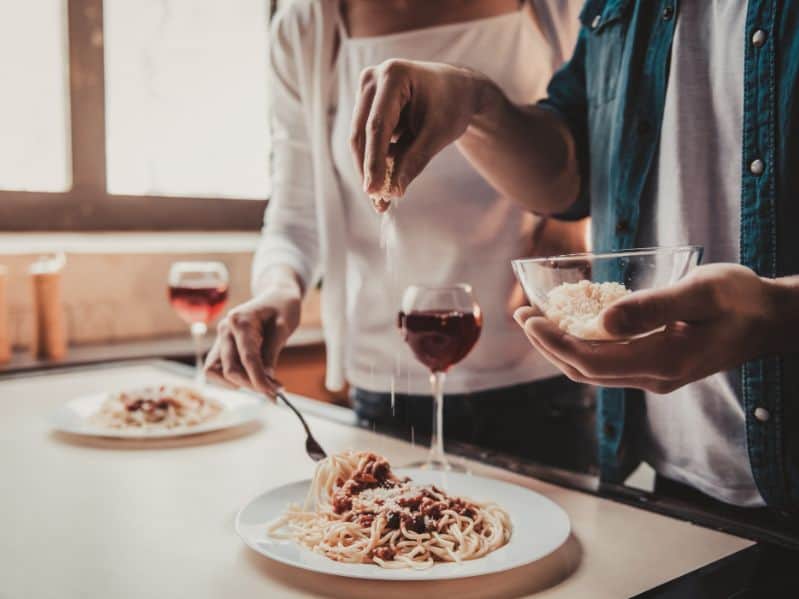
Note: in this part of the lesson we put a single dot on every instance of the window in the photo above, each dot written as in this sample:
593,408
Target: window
34,130
185,97
120,115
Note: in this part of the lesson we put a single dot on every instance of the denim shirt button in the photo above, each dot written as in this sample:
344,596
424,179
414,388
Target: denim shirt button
758,38
622,226
595,23
762,414
756,167
609,430
668,13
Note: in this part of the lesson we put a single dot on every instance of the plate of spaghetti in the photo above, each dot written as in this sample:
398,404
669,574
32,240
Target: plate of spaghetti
358,518
156,411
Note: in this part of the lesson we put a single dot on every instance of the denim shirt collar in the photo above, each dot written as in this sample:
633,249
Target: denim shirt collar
597,14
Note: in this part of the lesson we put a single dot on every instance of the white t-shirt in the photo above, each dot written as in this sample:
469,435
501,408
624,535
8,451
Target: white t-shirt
696,435
451,226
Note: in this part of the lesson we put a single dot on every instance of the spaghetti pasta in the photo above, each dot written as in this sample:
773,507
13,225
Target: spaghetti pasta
156,407
358,511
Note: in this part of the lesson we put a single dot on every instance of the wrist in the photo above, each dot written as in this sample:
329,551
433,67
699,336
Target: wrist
489,102
782,314
280,278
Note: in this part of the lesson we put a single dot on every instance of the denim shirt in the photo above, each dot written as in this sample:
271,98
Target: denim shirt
611,95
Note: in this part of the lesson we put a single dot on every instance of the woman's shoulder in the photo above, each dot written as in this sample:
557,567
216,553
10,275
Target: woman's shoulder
559,22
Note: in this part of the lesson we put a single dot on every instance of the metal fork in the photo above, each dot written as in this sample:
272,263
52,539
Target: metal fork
312,447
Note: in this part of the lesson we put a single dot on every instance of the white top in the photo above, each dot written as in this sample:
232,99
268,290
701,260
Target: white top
696,434
320,221
124,519
451,226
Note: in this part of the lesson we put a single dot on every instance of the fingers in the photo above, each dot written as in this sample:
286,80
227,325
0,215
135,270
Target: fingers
247,329
690,300
232,369
213,372
634,382
521,315
381,204
250,337
639,358
213,367
360,115
279,334
383,119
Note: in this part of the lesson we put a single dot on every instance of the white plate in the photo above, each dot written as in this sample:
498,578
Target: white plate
73,416
539,527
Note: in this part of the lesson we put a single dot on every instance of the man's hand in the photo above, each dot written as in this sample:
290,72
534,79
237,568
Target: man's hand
718,317
251,336
411,110
422,106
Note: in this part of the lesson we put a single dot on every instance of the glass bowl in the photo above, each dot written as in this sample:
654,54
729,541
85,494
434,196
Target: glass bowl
554,283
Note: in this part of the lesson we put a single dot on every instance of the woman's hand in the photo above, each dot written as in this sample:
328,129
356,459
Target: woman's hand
252,335
423,106
717,318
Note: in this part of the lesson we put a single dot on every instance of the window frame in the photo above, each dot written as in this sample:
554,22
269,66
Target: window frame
87,205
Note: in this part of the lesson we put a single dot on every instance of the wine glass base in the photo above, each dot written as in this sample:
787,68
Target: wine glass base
449,466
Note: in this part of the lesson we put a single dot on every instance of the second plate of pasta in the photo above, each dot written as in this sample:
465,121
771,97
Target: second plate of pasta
155,410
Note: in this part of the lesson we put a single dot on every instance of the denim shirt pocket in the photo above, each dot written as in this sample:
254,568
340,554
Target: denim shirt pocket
605,23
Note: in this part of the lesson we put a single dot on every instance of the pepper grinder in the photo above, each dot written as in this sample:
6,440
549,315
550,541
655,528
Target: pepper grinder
50,331
5,333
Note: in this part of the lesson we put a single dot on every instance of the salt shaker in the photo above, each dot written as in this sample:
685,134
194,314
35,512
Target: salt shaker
50,331
5,333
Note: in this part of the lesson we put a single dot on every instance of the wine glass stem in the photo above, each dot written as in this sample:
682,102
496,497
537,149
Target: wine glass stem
437,457
198,331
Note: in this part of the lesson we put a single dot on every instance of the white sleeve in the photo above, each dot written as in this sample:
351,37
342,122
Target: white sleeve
290,235
560,21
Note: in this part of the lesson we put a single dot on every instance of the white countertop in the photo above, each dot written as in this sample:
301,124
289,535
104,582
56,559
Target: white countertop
95,518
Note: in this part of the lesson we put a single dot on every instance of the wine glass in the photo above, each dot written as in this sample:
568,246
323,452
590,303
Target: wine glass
441,326
198,293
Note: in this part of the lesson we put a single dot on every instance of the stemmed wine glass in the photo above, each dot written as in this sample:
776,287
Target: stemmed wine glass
441,326
198,293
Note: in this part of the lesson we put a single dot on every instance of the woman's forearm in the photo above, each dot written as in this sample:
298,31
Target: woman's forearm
278,275
525,152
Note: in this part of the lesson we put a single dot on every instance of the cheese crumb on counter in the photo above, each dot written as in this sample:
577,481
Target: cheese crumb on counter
575,307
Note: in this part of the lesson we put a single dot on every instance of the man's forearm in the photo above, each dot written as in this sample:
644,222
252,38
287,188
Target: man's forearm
784,335
526,152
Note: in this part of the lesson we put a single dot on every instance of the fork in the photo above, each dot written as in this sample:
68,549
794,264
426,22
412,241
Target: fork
312,447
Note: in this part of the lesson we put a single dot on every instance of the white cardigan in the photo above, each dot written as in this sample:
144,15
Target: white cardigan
304,224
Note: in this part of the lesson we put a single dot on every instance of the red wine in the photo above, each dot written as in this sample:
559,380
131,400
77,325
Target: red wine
440,338
198,304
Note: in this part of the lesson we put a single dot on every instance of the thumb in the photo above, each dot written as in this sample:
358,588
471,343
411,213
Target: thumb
521,315
690,300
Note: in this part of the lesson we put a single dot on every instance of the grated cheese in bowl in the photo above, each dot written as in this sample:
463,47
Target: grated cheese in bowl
576,307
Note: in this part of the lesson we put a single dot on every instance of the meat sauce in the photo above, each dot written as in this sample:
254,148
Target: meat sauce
150,404
419,512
